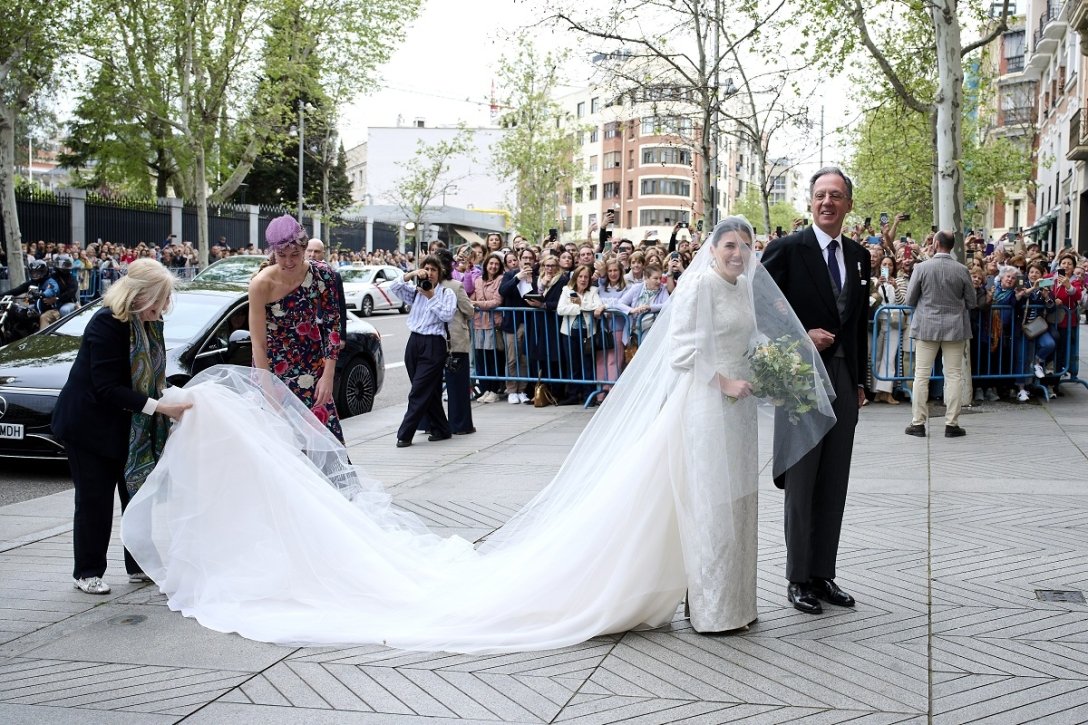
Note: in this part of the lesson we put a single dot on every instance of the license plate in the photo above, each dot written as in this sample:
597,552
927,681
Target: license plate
11,431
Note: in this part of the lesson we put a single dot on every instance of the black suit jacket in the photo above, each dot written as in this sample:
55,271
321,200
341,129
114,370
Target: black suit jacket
799,268
95,406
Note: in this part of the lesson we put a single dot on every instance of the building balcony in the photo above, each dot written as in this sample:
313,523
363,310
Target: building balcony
1078,137
1078,18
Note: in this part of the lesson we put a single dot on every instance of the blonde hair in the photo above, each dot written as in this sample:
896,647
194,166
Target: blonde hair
146,283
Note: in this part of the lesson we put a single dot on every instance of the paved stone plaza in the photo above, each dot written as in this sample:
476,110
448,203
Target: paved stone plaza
945,543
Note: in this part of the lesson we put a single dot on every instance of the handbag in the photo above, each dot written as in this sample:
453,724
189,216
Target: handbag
1057,315
1034,327
629,350
542,395
453,363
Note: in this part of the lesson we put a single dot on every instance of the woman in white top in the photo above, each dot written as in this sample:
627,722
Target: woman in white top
580,309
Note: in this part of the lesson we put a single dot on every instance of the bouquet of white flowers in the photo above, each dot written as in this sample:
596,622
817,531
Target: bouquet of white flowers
781,374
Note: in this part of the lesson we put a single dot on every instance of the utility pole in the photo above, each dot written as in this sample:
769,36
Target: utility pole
301,152
821,136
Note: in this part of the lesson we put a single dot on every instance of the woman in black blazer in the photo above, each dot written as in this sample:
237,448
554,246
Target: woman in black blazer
94,412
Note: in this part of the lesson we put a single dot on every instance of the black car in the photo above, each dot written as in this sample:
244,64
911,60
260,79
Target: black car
198,335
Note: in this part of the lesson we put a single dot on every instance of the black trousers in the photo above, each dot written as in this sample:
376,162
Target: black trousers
816,489
96,477
458,394
424,359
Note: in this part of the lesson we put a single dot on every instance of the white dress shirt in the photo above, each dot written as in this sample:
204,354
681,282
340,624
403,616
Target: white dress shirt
824,240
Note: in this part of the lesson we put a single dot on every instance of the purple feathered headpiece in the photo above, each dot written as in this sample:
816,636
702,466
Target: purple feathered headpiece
284,231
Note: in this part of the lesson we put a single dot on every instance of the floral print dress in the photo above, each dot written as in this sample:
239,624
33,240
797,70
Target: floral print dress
303,330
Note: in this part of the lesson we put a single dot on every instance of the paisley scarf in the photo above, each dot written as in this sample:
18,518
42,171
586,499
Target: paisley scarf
147,435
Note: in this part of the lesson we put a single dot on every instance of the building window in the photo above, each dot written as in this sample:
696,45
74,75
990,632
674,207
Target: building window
665,187
578,195
666,155
593,163
662,217
610,190
581,111
581,138
631,158
632,128
630,218
577,222
612,160
592,192
594,105
664,125
612,129
593,135
630,190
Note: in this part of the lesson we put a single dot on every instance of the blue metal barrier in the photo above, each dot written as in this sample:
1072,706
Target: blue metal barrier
1008,357
539,350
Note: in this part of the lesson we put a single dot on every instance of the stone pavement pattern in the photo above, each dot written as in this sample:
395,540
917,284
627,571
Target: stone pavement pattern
945,542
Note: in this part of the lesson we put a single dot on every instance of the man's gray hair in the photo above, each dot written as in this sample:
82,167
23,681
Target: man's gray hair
832,170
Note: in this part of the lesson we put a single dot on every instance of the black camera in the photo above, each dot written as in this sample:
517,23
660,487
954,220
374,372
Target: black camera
426,285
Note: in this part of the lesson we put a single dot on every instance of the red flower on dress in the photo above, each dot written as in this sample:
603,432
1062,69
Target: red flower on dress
280,368
321,413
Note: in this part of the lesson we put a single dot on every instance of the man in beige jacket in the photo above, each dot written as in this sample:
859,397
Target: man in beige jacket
941,293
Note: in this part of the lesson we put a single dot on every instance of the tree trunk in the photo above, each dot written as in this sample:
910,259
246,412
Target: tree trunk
8,204
949,104
201,189
711,173
764,190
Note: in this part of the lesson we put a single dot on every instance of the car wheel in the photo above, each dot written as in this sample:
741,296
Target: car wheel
367,307
403,309
357,389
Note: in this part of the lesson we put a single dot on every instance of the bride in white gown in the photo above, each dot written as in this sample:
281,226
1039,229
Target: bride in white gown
254,521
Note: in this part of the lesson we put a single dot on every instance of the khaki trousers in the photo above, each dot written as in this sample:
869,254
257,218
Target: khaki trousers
925,352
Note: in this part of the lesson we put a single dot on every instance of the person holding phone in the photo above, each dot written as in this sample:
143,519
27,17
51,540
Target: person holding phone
518,325
1068,290
889,344
581,308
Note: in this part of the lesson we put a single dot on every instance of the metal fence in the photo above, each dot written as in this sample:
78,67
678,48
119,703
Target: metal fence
590,357
43,216
227,223
125,220
999,351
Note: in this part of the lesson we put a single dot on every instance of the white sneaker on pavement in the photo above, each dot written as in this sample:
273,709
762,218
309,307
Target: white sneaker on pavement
522,397
93,585
513,399
1039,372
1023,396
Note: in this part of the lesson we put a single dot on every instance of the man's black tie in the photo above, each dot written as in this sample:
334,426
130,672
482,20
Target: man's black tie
833,265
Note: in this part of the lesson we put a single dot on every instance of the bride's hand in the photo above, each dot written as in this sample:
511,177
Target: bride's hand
735,388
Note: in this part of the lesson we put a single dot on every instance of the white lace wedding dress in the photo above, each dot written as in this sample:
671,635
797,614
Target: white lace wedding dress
254,521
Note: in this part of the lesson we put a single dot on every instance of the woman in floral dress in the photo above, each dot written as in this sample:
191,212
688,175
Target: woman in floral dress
295,302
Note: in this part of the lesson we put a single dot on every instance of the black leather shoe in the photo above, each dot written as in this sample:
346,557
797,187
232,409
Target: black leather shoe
403,443
954,431
802,598
916,430
829,591
438,437
464,432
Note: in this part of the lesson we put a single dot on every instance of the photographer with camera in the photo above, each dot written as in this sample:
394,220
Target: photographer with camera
43,296
433,306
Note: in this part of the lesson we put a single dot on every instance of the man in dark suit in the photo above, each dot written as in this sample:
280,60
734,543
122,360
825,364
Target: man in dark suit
315,249
825,278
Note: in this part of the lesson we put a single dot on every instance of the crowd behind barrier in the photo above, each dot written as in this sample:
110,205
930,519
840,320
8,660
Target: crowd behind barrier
996,358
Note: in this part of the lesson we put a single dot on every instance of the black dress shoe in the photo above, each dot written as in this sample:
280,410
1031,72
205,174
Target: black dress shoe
403,443
464,432
829,591
916,430
803,599
954,431
438,437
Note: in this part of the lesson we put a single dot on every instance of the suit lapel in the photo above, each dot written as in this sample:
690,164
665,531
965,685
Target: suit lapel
817,265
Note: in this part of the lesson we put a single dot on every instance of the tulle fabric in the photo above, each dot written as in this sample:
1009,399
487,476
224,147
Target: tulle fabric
255,522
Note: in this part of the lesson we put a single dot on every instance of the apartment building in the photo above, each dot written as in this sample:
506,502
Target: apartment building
1056,63
639,153
1011,114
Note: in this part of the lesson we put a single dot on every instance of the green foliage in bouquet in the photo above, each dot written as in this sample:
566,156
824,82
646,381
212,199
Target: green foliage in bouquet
781,374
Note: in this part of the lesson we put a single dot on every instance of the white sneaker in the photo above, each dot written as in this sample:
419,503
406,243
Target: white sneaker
1023,396
491,397
513,399
522,397
93,585
992,396
978,395
1039,373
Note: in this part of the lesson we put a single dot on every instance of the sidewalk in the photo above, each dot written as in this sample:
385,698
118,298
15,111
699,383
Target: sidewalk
944,546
